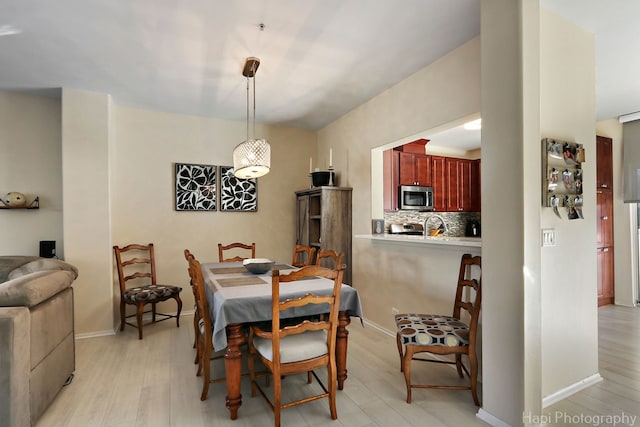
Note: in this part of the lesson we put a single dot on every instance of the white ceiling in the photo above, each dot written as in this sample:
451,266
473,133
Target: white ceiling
319,58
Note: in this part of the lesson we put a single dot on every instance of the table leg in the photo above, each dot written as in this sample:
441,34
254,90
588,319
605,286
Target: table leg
233,367
341,347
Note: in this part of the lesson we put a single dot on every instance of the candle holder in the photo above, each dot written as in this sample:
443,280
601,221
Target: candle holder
331,177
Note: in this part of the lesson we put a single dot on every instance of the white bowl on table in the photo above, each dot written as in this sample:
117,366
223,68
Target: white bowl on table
258,265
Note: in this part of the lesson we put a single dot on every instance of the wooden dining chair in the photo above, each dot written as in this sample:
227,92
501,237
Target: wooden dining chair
302,255
204,333
325,256
137,278
241,246
299,348
445,335
196,313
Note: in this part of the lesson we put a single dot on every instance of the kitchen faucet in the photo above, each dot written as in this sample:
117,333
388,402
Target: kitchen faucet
444,223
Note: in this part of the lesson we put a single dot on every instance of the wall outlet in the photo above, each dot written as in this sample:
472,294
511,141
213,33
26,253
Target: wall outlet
394,311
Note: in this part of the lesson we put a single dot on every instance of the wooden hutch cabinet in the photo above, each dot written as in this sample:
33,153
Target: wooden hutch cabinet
324,221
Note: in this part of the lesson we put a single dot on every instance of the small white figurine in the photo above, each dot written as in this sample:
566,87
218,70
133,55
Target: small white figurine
15,199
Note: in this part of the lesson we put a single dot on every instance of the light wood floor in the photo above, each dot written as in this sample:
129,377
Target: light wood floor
619,366
121,381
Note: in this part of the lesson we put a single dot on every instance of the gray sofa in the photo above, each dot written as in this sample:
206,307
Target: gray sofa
37,353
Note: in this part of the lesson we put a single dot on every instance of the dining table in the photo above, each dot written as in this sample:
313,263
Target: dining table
237,297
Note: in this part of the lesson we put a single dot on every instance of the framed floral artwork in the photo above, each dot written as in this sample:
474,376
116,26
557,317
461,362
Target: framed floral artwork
237,194
195,187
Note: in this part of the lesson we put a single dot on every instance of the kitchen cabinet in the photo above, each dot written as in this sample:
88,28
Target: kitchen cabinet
604,220
459,184
605,276
391,168
455,182
414,169
604,157
324,221
439,183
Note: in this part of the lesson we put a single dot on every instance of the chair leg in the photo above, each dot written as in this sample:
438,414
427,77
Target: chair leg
199,351
473,359
153,312
406,368
139,310
179,301
399,343
277,397
252,372
123,318
332,379
205,361
459,365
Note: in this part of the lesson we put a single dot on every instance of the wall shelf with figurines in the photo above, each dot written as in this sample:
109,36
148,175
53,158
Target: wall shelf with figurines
562,177
15,200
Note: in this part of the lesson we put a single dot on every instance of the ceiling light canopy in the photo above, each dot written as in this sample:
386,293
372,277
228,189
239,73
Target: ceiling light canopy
251,158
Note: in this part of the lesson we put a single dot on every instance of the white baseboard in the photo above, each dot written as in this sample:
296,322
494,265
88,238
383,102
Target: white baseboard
572,389
379,328
146,317
490,419
94,334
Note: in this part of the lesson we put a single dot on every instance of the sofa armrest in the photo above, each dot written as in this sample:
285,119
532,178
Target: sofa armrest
41,264
32,289
15,338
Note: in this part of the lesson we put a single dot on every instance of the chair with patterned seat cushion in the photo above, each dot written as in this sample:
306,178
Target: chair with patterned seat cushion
445,335
302,255
137,278
222,248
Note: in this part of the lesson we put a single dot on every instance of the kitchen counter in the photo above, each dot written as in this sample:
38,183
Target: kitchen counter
421,240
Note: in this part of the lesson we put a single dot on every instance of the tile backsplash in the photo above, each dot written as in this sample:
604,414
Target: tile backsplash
456,221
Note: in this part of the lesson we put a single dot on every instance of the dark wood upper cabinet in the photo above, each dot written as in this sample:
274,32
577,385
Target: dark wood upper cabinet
439,183
415,169
391,168
455,182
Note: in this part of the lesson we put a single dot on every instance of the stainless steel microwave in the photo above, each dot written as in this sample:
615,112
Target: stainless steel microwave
415,197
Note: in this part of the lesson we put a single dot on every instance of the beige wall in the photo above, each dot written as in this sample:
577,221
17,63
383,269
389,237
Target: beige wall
147,144
569,288
440,93
30,163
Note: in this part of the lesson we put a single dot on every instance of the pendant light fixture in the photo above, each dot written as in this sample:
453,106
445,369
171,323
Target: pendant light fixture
251,158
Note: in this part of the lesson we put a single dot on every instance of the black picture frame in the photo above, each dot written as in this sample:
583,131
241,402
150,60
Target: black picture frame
195,187
236,194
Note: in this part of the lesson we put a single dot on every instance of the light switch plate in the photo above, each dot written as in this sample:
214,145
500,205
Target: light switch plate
548,237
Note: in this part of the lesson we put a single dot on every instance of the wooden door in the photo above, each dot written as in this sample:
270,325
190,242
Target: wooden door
407,172
302,222
604,160
391,164
465,183
453,184
604,220
438,181
422,169
605,276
